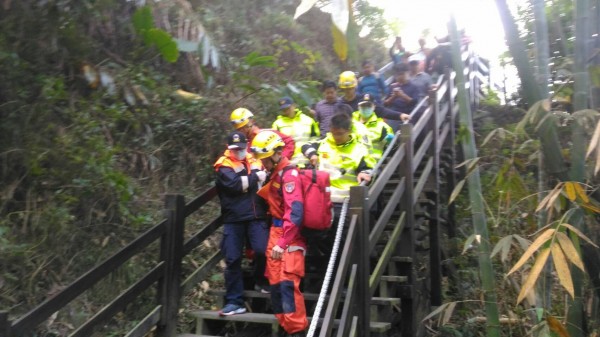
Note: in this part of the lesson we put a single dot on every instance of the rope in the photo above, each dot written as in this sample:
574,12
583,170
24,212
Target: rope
329,272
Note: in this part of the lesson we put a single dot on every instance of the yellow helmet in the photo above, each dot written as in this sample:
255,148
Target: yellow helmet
265,143
348,80
240,117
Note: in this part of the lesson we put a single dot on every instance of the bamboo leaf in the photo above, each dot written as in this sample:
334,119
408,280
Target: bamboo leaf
570,190
436,311
534,273
340,43
448,313
591,207
524,243
471,166
594,141
545,236
581,192
304,7
569,248
502,246
562,269
456,191
556,326
579,233
488,137
597,167
470,240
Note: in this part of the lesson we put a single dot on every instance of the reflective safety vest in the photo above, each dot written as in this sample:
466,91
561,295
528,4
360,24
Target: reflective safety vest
377,132
302,129
361,133
342,162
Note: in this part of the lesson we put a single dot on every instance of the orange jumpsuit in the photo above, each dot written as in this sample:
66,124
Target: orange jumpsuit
286,204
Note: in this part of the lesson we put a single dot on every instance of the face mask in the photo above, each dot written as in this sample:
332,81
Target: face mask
366,112
240,155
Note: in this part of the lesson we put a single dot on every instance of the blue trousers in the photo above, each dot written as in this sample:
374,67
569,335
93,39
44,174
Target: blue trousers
235,236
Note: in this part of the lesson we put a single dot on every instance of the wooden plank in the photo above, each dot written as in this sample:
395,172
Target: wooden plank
386,255
340,278
269,319
385,216
382,179
146,324
353,327
201,235
202,199
421,123
201,273
423,179
420,153
443,136
394,278
348,303
120,303
379,301
40,313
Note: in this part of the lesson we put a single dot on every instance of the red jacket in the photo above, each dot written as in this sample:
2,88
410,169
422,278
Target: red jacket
284,195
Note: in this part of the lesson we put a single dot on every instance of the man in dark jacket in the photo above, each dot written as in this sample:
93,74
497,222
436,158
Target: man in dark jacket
238,178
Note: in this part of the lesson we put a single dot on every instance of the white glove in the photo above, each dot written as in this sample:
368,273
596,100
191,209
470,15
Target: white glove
262,176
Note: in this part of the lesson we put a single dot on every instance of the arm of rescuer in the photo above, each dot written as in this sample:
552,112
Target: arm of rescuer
388,113
363,170
233,183
290,144
293,211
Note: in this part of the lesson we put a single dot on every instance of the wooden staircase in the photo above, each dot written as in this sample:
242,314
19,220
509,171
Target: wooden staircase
389,271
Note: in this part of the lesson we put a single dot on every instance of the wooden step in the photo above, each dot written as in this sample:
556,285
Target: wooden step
378,327
396,279
307,297
404,259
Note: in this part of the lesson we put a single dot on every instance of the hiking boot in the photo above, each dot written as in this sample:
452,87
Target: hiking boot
232,309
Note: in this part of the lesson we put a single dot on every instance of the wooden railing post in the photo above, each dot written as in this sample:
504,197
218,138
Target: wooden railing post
451,149
359,206
434,234
171,253
4,324
406,246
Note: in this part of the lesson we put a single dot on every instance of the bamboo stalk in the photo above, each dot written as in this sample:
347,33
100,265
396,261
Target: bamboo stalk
475,195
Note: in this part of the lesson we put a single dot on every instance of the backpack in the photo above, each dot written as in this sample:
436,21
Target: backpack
316,189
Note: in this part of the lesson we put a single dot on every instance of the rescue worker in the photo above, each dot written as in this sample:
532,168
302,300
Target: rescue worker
357,128
378,131
343,155
242,120
238,177
300,127
286,247
347,160
348,83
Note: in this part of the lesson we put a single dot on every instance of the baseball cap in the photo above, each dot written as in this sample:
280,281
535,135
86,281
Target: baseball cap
366,100
285,102
236,140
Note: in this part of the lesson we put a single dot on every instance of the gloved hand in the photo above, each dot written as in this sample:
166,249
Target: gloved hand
262,176
389,137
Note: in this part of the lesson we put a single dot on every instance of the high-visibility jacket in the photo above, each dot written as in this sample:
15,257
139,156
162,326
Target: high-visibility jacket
361,132
377,132
301,128
343,163
237,184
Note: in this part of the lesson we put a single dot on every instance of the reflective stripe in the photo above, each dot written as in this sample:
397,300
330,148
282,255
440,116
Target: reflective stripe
292,249
245,183
338,195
